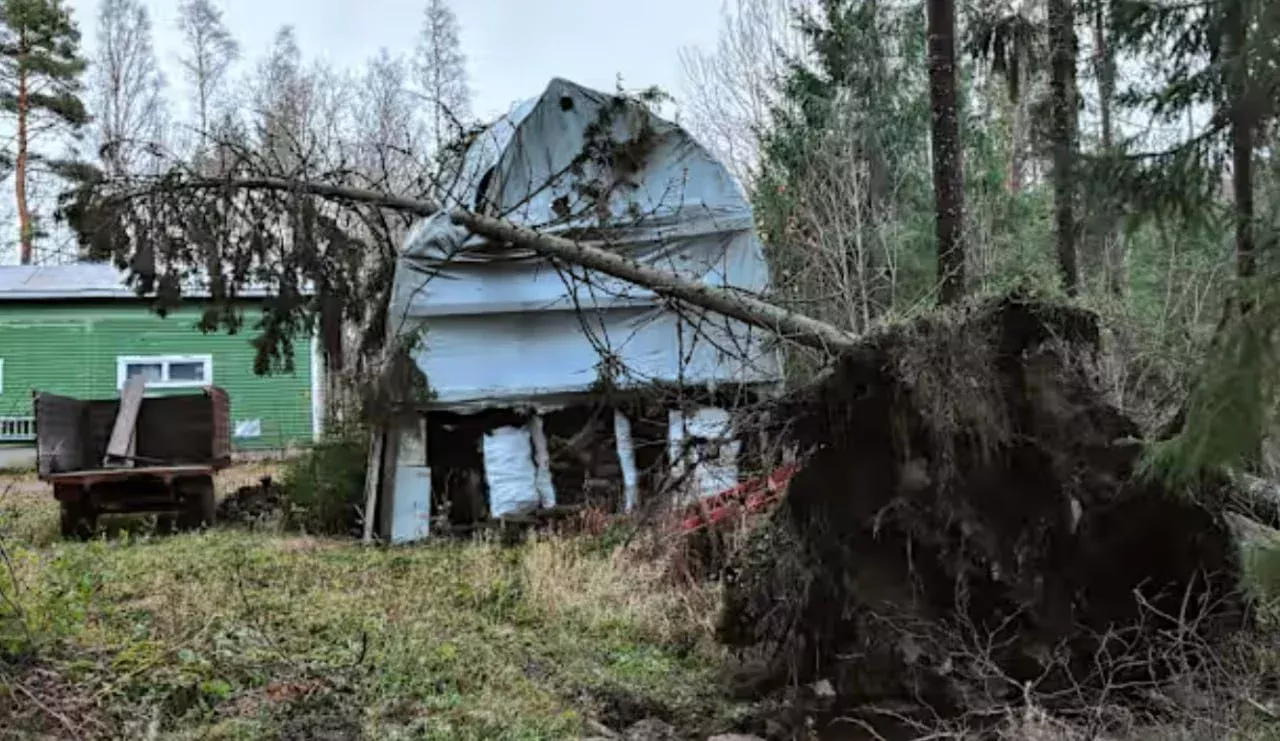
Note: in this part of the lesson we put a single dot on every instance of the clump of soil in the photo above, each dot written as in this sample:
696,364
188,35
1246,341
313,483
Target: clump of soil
253,505
968,525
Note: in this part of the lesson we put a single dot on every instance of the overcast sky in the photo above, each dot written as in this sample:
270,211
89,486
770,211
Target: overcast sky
514,47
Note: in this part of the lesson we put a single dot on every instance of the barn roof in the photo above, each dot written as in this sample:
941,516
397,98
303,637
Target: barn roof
78,281
506,325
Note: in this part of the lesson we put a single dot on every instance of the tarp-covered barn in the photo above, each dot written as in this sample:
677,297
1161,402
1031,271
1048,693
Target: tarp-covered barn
507,339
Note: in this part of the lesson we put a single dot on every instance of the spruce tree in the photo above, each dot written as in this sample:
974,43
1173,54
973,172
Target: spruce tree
1224,57
858,92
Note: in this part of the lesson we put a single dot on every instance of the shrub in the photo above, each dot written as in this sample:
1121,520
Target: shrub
324,488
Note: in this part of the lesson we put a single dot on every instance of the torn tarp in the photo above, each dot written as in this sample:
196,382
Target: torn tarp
507,325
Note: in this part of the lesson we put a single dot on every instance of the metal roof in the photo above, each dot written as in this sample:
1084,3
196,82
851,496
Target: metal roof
82,280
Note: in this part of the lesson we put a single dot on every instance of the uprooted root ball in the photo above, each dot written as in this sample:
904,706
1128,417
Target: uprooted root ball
968,522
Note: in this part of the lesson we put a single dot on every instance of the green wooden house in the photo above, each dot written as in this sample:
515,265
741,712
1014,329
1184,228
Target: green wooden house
78,330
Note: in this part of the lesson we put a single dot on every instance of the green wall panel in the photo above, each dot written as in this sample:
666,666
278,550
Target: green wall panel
71,349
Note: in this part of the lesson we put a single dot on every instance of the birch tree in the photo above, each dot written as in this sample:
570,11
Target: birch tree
282,96
731,90
209,53
127,86
388,134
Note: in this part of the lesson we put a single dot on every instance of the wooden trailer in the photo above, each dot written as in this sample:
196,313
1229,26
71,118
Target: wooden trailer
133,454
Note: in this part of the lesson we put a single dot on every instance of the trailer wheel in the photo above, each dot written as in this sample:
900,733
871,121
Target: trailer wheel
198,503
77,519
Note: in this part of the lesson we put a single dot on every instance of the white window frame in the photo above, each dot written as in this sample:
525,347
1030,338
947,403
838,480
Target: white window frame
1,375
124,361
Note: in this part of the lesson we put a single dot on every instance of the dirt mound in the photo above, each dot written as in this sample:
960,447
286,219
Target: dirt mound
967,527
252,505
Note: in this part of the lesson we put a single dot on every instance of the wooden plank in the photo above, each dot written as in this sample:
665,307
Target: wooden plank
130,456
121,444
372,479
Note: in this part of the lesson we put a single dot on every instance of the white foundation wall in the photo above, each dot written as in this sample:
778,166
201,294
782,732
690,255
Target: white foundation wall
406,516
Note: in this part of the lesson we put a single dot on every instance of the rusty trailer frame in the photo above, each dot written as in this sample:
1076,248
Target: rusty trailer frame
181,442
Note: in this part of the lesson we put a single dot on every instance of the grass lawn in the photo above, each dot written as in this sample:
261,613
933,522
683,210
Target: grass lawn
239,635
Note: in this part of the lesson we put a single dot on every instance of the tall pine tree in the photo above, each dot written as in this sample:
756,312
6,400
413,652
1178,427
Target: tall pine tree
40,69
1062,46
948,176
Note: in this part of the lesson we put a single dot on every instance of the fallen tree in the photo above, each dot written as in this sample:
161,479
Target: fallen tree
753,310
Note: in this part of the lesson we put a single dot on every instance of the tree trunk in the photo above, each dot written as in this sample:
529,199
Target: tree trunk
947,161
1020,132
873,266
26,231
877,162
789,325
1062,38
1242,121
204,113
1242,125
1115,259
331,332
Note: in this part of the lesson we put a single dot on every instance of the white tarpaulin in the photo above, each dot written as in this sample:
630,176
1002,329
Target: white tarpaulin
626,460
505,325
509,471
542,462
703,441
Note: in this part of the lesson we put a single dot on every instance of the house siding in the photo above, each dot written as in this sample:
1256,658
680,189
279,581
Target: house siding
72,349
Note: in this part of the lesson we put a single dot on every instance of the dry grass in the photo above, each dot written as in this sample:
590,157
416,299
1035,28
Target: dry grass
248,473
245,635
614,586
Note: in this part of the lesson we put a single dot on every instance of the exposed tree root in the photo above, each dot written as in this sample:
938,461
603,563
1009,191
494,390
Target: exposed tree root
968,477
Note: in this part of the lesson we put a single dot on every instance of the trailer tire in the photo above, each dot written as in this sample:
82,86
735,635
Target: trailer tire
76,519
199,505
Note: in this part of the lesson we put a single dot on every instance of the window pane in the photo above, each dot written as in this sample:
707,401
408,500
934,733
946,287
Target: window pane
149,371
186,371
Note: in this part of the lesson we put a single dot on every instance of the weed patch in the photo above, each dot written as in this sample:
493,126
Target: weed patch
324,487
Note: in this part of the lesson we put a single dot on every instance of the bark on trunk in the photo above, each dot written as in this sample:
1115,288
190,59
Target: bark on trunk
1242,125
947,162
877,164
1115,259
331,331
787,324
1062,37
26,236
1020,134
